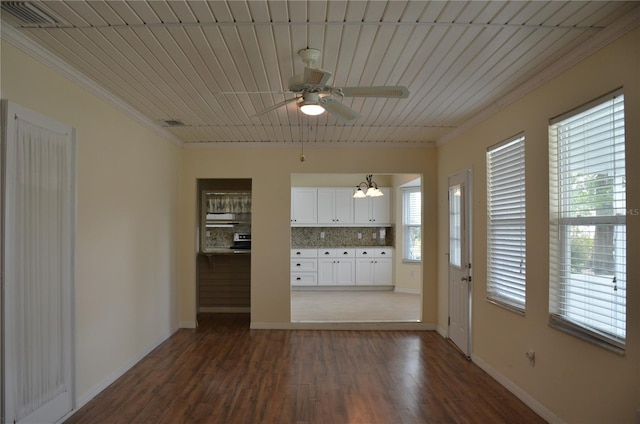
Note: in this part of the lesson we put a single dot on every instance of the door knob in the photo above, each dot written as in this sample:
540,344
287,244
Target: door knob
464,279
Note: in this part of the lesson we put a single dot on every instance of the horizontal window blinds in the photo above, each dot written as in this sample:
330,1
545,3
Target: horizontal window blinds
412,223
506,224
587,291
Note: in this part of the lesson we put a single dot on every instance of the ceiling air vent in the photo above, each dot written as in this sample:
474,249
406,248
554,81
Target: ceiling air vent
28,13
174,123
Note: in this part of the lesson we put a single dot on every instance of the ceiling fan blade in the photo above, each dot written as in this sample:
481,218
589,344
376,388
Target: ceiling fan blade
316,76
339,110
379,91
276,106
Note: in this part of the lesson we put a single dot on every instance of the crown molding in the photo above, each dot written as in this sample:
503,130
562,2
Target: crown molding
603,38
28,46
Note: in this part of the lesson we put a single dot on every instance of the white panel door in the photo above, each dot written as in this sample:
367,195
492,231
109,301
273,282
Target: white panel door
38,263
459,262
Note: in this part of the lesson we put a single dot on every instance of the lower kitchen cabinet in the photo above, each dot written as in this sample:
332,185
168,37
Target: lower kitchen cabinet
336,267
342,267
374,266
304,267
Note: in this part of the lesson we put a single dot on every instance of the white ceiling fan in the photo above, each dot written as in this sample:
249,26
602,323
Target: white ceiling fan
315,96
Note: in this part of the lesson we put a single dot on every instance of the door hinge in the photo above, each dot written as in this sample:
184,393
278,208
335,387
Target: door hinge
449,321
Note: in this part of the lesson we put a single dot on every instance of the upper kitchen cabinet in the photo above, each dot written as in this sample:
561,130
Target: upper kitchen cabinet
304,206
373,210
335,206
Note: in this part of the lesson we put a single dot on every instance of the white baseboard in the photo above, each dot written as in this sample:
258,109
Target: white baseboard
419,326
96,389
187,324
403,290
536,406
443,331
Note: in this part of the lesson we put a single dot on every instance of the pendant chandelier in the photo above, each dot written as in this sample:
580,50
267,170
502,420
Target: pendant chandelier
370,189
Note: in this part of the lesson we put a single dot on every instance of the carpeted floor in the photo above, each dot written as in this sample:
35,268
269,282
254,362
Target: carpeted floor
354,306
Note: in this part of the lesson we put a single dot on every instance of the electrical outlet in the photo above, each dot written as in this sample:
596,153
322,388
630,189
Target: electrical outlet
359,236
321,234
373,236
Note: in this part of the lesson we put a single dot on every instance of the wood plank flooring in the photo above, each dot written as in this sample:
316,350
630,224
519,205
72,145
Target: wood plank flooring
222,372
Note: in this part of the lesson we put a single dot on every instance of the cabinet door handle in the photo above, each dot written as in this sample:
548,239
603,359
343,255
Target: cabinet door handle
298,253
297,264
383,253
298,278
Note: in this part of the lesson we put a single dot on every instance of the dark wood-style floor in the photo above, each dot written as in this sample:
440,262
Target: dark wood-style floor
223,372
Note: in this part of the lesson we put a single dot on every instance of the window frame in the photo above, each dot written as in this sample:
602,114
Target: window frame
561,287
407,227
506,234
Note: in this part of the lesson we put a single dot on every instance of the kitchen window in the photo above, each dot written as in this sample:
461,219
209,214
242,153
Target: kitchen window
587,195
412,224
506,225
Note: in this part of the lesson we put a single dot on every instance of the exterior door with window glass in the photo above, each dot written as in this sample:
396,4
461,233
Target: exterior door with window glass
459,262
38,222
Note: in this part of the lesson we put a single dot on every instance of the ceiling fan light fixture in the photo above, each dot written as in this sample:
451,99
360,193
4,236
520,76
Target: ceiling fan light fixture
311,109
310,104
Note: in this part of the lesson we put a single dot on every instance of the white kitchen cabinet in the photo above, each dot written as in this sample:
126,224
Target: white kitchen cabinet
373,210
336,267
304,267
304,205
335,206
374,266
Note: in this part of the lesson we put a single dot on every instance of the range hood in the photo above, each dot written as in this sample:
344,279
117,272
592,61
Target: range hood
226,219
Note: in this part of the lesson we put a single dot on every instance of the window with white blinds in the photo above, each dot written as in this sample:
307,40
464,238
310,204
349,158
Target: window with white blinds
412,223
506,224
587,195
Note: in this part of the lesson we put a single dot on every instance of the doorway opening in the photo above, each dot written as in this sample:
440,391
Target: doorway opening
356,260
223,260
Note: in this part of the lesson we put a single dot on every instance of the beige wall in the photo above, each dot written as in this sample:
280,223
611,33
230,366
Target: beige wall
127,196
575,380
270,168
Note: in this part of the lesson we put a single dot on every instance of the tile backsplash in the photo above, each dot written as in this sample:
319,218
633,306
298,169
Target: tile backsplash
340,236
218,237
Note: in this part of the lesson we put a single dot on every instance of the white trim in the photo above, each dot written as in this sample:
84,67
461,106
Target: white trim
187,324
119,372
603,38
517,391
28,46
308,144
404,290
379,326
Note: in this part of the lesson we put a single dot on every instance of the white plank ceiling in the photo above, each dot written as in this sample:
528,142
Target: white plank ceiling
212,65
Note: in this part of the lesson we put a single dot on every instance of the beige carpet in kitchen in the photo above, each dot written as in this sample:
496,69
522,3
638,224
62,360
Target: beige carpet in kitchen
354,306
